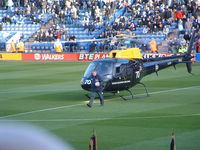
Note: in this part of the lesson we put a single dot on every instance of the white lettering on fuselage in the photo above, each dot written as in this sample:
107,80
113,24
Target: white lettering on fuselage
120,82
137,74
169,63
87,81
156,67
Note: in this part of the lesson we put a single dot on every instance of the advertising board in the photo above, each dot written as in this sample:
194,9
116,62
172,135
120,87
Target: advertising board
50,57
10,56
70,56
63,56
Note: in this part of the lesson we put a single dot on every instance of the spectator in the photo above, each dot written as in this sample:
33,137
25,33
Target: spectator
188,25
186,37
197,12
180,26
2,3
12,47
73,44
165,30
153,46
179,14
90,28
144,47
44,6
183,42
155,29
167,13
197,46
130,27
58,46
145,30
58,34
17,12
182,49
195,23
10,4
173,45
20,46
6,19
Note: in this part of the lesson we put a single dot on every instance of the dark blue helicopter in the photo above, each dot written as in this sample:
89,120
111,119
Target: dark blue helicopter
125,68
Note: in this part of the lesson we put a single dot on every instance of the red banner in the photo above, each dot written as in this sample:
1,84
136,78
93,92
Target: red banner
50,57
64,57
78,56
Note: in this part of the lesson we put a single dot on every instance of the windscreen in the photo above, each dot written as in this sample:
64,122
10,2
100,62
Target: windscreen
103,68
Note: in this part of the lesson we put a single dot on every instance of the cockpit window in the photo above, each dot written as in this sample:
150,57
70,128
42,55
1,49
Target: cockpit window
102,68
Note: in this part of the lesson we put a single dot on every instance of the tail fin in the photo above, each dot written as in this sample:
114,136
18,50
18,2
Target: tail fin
189,50
189,67
188,53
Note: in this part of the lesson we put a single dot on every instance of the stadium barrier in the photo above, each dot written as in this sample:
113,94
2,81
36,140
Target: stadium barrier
63,56
73,56
49,57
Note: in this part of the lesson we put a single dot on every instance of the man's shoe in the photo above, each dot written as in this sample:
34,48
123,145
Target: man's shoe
89,105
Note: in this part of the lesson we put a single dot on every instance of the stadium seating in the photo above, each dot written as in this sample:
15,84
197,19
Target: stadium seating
29,28
26,30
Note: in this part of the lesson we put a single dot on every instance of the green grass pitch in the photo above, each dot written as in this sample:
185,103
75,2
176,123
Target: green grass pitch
48,94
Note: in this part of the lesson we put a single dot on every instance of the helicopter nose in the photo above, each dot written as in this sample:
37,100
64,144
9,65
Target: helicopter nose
86,84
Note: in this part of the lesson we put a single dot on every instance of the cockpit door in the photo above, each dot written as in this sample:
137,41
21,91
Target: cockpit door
121,79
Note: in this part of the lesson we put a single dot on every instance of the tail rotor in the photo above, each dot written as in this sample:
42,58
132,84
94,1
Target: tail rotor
188,56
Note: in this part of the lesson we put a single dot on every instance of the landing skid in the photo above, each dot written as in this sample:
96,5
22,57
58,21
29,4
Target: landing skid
131,97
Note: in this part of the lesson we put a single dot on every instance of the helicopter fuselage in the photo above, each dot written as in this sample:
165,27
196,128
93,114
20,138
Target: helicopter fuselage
122,74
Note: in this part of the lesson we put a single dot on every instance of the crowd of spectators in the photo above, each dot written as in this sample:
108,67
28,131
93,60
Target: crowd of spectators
96,12
21,11
158,17
153,15
51,34
94,16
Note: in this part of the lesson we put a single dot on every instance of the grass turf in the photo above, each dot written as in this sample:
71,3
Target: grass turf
48,94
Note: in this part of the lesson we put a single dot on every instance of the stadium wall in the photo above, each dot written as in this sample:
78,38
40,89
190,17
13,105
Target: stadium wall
73,56
10,56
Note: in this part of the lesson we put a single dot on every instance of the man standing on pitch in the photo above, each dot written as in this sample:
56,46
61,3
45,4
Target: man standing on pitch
96,87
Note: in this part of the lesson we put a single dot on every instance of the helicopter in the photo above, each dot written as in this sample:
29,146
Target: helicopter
126,68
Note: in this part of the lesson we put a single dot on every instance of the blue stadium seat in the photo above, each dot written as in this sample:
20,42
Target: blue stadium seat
33,47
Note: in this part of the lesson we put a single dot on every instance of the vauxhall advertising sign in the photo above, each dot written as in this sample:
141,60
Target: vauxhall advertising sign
68,56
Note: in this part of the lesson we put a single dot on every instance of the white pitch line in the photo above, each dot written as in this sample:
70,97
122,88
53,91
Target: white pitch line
99,119
172,90
41,110
69,106
58,120
39,91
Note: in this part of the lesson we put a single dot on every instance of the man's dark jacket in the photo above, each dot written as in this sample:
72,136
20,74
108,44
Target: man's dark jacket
95,79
